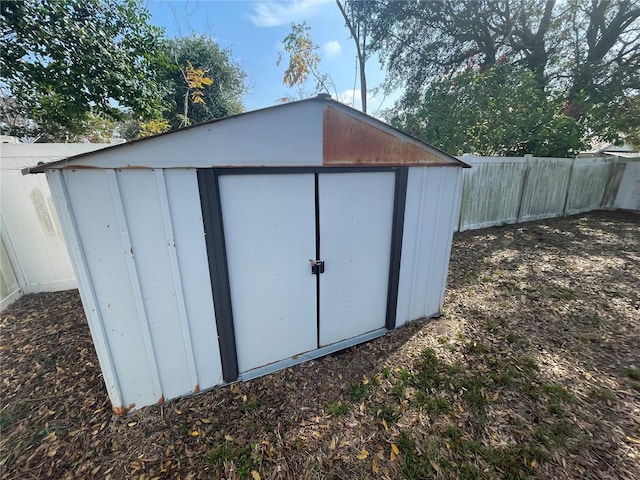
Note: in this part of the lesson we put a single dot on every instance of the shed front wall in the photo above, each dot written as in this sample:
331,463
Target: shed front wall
137,244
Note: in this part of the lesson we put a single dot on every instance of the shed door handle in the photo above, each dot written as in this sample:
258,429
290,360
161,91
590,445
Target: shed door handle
317,267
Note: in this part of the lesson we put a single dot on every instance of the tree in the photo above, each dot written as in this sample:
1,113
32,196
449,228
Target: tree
303,63
587,52
499,111
202,82
356,17
68,61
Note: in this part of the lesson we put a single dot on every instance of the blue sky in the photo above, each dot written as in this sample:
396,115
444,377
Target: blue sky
254,30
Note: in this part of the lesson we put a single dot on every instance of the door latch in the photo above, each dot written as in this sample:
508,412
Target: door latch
317,266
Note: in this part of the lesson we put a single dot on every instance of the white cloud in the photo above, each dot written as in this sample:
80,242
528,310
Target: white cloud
353,98
332,49
276,13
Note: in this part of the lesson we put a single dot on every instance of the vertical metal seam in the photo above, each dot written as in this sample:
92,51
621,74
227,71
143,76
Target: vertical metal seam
218,270
397,223
434,235
316,182
134,278
419,244
93,314
177,277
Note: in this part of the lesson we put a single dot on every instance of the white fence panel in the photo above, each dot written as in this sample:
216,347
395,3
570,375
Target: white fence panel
545,188
32,235
589,179
9,287
628,195
491,191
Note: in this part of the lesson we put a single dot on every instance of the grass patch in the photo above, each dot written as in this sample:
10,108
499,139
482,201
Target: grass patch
389,414
432,458
601,393
338,408
512,338
633,373
493,324
476,347
473,392
564,294
358,392
432,404
528,364
555,409
427,373
243,458
557,392
250,406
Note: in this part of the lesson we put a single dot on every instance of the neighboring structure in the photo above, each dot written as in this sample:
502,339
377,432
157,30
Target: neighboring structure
240,246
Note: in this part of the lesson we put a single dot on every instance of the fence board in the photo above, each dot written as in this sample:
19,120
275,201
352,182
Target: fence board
588,182
491,191
545,188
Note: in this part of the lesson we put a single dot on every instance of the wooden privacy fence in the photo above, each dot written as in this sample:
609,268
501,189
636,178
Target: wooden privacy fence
503,190
496,191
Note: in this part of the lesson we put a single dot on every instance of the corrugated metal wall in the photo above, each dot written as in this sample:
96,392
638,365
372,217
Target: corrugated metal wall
426,244
143,226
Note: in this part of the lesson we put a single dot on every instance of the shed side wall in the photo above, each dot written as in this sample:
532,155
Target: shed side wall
141,230
433,204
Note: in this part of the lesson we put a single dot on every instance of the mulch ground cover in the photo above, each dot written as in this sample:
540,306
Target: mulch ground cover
533,371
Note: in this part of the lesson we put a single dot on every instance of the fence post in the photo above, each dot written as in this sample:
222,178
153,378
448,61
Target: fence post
569,180
525,178
608,193
463,200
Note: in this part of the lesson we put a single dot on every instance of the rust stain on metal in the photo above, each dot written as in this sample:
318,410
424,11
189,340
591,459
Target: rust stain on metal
160,400
122,410
196,389
349,141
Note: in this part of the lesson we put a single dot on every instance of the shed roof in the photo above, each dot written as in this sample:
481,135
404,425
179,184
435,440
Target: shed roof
318,131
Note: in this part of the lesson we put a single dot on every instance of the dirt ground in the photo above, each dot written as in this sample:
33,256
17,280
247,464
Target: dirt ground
533,371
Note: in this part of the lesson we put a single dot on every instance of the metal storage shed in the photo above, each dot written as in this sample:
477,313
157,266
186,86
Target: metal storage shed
233,248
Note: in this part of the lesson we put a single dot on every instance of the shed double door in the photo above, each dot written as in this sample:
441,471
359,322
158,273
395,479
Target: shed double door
274,224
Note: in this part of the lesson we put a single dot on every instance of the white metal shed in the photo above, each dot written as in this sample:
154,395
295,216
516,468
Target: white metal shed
233,248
